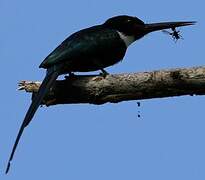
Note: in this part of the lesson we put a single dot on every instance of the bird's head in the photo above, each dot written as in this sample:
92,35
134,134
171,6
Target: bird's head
131,26
128,25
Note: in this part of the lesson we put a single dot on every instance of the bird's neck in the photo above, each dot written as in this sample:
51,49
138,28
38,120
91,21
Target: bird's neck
128,40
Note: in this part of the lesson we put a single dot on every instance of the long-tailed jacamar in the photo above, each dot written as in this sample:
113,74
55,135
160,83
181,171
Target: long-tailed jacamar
91,49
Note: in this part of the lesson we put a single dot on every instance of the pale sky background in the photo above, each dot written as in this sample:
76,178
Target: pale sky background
109,141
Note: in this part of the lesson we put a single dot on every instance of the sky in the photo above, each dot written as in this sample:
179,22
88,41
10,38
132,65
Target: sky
109,141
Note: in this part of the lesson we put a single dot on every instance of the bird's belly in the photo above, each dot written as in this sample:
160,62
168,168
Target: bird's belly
91,64
94,62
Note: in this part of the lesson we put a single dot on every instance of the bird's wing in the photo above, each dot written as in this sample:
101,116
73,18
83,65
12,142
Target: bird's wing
83,43
46,84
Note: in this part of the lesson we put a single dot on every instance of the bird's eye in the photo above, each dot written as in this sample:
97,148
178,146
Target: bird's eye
129,22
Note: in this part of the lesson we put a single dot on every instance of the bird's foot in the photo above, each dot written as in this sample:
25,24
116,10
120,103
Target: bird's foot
104,73
71,76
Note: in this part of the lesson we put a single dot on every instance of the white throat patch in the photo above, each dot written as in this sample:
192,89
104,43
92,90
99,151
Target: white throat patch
127,39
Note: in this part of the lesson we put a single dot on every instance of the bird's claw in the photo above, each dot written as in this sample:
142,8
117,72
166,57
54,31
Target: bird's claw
104,73
71,75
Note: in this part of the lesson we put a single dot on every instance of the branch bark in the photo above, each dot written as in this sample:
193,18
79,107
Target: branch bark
96,89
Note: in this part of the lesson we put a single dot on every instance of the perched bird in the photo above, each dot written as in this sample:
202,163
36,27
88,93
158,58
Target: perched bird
91,49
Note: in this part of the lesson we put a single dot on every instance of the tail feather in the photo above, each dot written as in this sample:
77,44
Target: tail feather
45,86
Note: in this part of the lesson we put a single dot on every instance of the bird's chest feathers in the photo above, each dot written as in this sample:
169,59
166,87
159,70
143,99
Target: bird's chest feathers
127,39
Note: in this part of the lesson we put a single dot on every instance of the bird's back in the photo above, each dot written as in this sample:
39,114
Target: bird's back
88,50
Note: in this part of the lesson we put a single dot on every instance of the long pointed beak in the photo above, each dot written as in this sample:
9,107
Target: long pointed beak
166,25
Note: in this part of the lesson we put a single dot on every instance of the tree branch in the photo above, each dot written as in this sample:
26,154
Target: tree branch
122,87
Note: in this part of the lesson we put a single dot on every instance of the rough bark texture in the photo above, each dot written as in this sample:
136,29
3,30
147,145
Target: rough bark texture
123,87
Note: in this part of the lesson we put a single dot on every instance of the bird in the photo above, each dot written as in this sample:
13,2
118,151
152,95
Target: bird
91,49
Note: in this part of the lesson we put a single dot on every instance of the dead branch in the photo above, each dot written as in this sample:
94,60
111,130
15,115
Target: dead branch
123,87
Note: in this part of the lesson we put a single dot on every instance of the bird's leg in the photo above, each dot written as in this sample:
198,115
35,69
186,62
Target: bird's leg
71,75
103,73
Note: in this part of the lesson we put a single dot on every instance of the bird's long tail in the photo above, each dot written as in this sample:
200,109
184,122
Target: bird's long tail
48,81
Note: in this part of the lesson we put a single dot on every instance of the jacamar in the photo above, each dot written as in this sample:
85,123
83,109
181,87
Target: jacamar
91,49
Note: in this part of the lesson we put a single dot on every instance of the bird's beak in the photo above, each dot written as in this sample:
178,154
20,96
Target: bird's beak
166,25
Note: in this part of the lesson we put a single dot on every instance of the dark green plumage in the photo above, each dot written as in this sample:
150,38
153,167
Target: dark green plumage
90,49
